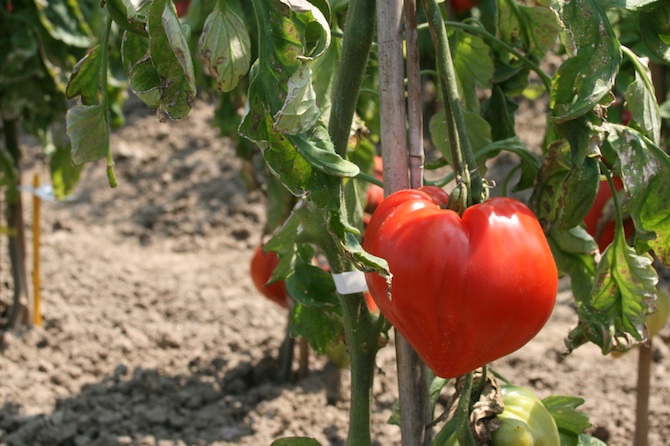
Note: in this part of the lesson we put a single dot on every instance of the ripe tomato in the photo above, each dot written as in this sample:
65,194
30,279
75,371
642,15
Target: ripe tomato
375,194
465,291
605,235
182,7
463,5
262,265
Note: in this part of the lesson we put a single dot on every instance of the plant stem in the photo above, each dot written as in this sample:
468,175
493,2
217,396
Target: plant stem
362,342
104,51
360,333
14,215
356,44
463,158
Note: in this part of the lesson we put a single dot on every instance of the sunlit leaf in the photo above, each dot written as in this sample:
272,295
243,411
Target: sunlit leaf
570,422
624,287
300,112
225,46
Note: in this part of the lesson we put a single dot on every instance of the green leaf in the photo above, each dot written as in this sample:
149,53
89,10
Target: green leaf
655,30
225,46
645,171
171,56
574,251
565,188
530,163
145,82
85,78
295,441
641,100
321,327
589,74
88,130
125,15
624,287
499,110
65,22
479,132
64,174
570,422
300,112
474,67
311,286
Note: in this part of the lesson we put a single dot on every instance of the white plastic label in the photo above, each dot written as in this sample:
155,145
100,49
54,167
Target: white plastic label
350,282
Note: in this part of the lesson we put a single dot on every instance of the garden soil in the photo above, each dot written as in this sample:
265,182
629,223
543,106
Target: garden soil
154,335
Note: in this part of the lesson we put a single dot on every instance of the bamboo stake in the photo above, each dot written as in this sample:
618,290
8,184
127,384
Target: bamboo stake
37,301
643,388
412,387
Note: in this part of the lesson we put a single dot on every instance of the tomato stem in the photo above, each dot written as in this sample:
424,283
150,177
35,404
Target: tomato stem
104,100
618,214
356,44
463,159
359,330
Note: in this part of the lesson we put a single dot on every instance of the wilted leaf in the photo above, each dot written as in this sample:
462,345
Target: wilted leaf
624,287
589,74
300,112
295,441
171,56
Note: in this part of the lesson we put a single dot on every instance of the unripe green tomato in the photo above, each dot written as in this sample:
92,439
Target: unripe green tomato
525,421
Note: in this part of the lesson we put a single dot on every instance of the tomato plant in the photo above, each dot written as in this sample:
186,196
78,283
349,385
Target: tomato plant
300,84
434,253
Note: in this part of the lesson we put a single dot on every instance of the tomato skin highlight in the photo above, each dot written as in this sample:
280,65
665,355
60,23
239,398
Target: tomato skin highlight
262,265
465,291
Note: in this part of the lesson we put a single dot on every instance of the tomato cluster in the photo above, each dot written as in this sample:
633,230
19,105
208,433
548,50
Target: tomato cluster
465,290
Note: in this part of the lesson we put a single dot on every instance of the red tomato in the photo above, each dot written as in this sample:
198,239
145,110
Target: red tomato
465,291
606,234
375,194
463,5
182,7
262,265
